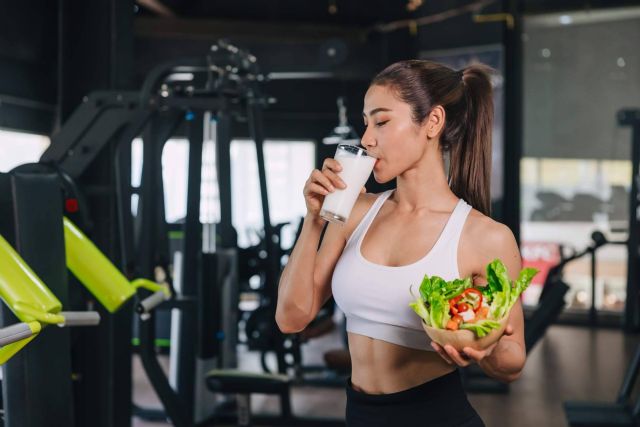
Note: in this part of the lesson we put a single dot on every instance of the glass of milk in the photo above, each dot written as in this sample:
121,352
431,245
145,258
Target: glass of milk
357,165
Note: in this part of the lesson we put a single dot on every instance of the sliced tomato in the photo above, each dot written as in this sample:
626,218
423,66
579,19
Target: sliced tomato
452,308
462,307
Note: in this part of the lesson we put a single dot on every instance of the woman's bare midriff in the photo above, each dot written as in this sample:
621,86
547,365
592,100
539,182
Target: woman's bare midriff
380,367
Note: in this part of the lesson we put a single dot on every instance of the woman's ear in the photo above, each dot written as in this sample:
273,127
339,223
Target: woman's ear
435,122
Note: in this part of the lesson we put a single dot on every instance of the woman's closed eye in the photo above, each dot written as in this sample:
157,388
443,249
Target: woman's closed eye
379,124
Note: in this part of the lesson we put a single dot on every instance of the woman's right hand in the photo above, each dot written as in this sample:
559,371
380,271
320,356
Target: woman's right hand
321,183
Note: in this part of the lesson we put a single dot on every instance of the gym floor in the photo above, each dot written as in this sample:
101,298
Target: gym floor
569,363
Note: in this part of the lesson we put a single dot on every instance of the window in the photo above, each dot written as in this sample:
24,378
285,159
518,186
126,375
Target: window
580,69
17,148
288,165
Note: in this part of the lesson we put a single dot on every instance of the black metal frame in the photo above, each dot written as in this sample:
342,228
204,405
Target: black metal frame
36,384
632,306
114,119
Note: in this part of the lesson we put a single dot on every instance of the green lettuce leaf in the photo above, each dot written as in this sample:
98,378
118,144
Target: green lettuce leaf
487,292
455,287
498,278
522,283
421,310
498,305
505,291
438,286
425,288
439,311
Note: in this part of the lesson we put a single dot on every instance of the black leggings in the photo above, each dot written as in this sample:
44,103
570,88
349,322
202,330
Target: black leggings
437,403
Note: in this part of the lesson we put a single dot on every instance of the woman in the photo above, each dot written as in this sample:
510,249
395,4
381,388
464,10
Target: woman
415,112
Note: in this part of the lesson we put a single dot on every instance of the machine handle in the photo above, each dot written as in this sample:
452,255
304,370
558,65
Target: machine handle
80,318
151,302
18,332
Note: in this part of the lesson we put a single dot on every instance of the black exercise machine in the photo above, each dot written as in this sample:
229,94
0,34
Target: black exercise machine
632,308
40,383
622,412
552,297
226,85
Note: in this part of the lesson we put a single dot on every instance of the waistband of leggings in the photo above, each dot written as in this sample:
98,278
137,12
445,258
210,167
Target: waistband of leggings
447,386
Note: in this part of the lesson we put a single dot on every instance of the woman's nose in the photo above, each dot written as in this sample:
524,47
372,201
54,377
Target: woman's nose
367,139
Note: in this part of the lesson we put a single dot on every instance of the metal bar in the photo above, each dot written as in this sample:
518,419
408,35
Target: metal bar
124,191
158,73
176,410
192,252
14,333
632,309
632,304
83,118
513,89
228,236
593,314
254,111
629,378
80,318
151,302
150,228
208,103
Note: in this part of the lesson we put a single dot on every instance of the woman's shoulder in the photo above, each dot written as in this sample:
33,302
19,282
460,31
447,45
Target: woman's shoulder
485,239
481,225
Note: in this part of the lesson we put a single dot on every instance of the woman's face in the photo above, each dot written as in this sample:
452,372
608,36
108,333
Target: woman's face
390,133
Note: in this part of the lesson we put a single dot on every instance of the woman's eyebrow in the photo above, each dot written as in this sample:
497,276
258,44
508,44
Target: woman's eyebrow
375,110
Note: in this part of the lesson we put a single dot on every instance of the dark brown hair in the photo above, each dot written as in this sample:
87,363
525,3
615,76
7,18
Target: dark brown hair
466,97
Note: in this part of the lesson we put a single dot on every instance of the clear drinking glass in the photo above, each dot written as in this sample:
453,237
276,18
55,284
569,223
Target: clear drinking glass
357,164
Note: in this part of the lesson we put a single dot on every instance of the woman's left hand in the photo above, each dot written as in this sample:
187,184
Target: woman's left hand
468,354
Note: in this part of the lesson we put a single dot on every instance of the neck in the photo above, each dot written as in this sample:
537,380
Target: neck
425,186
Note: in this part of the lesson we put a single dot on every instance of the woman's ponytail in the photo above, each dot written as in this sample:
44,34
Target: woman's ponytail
470,158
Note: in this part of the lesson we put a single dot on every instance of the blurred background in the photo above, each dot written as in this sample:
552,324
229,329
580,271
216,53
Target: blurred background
112,96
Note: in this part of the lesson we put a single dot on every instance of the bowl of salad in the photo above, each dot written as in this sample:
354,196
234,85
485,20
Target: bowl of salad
462,315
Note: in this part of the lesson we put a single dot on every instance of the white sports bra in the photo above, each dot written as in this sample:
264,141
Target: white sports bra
375,298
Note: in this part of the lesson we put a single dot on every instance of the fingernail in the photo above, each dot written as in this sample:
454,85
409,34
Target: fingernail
331,187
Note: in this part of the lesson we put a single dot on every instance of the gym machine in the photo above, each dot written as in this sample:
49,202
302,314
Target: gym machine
225,85
33,255
31,302
622,412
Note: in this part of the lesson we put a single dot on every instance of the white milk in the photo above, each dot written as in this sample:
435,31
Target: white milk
355,172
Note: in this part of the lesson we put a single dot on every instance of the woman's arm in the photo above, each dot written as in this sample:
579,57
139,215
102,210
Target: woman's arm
305,282
505,359
296,288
